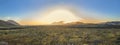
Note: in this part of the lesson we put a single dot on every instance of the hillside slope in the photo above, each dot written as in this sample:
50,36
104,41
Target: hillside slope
8,23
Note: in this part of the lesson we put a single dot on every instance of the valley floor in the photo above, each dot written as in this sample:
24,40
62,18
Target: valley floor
58,35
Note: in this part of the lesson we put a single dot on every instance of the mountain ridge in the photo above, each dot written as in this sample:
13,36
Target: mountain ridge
8,23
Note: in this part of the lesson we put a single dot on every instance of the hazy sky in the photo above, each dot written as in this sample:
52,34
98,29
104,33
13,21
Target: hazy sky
20,8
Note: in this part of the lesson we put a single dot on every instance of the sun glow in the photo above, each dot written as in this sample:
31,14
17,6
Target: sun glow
51,15
60,15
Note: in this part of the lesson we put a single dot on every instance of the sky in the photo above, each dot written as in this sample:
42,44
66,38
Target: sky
102,9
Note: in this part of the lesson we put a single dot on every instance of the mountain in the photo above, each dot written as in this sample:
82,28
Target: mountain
70,23
13,22
58,23
8,23
113,23
75,23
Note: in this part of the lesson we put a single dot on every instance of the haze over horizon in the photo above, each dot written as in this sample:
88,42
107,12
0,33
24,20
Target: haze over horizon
35,12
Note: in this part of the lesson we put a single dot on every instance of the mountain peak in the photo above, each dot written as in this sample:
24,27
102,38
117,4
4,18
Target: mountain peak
8,23
12,22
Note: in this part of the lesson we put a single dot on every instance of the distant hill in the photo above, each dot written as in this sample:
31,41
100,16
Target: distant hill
70,23
13,22
8,23
112,23
75,23
58,23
